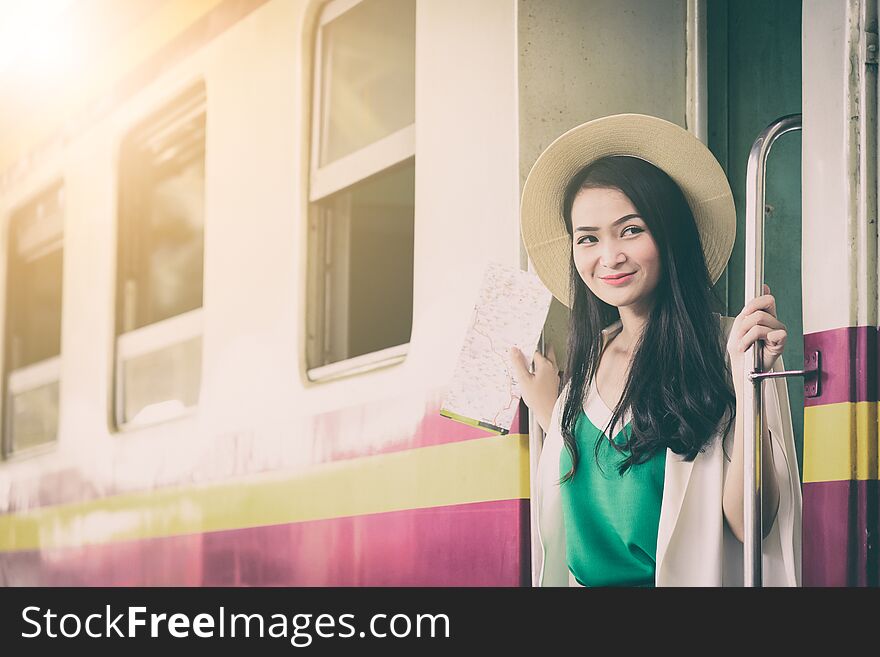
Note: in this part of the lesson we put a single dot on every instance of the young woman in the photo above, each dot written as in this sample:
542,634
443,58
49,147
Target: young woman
640,481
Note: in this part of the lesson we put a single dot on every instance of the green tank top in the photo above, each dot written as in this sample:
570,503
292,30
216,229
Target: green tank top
611,521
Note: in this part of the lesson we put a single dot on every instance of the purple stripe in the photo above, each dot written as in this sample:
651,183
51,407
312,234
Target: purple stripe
849,364
480,544
840,524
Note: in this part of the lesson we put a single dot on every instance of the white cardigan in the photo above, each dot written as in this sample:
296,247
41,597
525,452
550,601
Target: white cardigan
694,545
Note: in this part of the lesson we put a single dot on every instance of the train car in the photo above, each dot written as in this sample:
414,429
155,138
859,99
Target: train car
242,241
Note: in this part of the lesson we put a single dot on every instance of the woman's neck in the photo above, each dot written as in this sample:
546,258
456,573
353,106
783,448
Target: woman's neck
632,324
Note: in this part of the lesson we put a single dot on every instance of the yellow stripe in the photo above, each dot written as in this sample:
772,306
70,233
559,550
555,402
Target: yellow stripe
480,470
840,442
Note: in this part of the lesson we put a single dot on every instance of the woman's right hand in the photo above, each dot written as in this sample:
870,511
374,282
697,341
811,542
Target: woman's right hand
539,389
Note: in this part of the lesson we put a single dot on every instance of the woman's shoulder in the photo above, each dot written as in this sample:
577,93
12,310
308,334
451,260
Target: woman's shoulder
563,394
555,416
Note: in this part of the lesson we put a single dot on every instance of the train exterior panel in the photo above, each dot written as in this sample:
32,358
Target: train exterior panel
841,513
276,478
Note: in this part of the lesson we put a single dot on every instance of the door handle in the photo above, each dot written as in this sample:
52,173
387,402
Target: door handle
812,374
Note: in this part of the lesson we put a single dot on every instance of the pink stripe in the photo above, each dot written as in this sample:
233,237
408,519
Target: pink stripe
481,544
849,364
840,526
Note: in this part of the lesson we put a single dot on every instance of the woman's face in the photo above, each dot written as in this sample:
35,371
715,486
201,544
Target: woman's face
614,253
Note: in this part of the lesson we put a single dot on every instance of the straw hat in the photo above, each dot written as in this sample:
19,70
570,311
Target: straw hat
665,145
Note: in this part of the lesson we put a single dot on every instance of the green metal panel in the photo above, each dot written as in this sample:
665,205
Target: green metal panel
754,77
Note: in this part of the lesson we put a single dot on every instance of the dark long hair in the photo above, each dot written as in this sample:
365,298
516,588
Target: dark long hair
678,388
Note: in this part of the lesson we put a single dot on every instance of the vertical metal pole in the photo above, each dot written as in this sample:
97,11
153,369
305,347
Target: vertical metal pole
696,111
753,425
536,442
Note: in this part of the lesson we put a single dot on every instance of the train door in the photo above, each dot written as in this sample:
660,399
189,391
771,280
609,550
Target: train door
767,60
754,77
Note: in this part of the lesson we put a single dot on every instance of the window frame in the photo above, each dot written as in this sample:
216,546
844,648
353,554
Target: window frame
170,331
44,372
150,339
381,155
25,379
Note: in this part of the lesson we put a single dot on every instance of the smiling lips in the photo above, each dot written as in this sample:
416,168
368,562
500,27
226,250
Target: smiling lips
618,279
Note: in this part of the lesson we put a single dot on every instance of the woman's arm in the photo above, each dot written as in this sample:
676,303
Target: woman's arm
757,321
733,500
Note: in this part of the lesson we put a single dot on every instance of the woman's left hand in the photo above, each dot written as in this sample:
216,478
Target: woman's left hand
757,321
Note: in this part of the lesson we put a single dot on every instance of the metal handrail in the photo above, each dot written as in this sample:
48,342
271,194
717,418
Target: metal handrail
753,427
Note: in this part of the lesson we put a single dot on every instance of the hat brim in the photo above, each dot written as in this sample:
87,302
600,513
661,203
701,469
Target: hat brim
669,147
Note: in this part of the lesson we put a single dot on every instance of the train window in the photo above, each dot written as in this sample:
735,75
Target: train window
160,264
33,323
362,187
